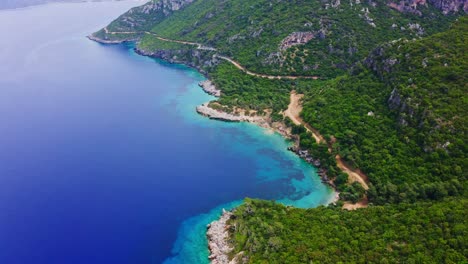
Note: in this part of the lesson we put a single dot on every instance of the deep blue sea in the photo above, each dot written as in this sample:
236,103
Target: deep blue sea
103,158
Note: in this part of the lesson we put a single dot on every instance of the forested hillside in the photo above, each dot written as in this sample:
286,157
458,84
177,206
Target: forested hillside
335,34
267,232
401,116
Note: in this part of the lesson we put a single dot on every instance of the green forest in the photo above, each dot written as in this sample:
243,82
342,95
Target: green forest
403,150
241,30
424,232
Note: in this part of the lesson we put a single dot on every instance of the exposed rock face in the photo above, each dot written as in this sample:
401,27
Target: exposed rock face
148,12
408,6
210,88
446,6
396,102
367,18
296,38
217,240
164,5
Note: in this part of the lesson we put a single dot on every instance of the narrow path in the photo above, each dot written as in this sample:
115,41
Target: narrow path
354,174
202,47
199,46
272,77
294,111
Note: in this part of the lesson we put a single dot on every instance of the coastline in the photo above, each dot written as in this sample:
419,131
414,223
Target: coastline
263,121
217,231
104,41
218,234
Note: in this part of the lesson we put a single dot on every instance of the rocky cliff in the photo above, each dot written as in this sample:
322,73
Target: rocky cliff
414,6
138,19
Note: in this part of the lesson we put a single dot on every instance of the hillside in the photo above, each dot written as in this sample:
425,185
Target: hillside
322,38
266,232
400,116
383,91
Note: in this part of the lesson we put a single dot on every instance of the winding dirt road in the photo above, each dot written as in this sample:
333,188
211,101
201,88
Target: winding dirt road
294,111
202,47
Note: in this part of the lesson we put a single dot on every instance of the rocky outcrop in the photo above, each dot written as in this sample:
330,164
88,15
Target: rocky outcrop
366,16
166,6
136,17
450,6
408,6
446,6
211,113
378,62
195,58
218,236
398,103
296,38
210,88
139,19
107,40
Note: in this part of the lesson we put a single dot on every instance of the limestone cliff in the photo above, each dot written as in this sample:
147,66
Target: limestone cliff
414,6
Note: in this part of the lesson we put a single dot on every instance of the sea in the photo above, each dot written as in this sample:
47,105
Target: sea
103,158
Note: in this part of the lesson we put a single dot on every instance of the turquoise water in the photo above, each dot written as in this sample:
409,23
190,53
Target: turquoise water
267,149
103,158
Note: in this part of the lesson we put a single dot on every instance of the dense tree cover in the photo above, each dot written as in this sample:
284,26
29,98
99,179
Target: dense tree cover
250,92
425,232
267,232
415,150
343,32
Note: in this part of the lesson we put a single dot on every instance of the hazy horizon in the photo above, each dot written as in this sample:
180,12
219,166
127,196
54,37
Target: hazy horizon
10,4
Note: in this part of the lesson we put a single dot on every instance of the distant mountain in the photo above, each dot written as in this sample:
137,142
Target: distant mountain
8,4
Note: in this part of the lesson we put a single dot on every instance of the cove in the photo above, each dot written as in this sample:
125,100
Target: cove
103,158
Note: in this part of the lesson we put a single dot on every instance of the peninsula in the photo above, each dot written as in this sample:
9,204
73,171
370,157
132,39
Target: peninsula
372,93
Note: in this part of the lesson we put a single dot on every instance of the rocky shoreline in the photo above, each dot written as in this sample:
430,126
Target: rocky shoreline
322,172
105,41
211,113
279,127
218,235
209,88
